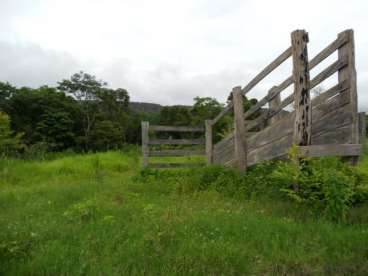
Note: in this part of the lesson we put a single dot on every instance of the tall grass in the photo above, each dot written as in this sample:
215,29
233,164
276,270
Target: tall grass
98,214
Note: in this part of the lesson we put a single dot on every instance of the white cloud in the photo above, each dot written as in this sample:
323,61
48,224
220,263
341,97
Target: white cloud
168,51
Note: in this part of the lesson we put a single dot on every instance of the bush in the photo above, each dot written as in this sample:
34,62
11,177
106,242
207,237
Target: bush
328,186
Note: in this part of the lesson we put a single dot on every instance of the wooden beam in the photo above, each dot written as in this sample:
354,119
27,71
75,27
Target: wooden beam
177,128
362,128
199,141
330,150
329,71
240,141
176,152
348,73
303,111
175,165
222,113
209,143
267,70
145,141
326,52
274,104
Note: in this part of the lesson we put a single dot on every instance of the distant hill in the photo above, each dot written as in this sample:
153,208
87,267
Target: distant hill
148,107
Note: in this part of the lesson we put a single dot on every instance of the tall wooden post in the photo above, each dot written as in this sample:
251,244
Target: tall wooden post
274,104
303,111
240,141
145,140
348,73
362,128
209,145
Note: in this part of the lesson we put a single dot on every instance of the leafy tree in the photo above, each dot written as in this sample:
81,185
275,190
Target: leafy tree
6,91
8,141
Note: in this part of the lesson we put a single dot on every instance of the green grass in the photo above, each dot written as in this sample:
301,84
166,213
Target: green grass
95,215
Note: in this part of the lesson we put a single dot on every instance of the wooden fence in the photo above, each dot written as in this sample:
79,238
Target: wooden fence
148,152
327,125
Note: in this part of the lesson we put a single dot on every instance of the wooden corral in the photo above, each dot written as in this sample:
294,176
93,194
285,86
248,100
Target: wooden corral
148,152
327,125
324,126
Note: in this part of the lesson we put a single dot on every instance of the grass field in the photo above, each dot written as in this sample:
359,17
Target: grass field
96,215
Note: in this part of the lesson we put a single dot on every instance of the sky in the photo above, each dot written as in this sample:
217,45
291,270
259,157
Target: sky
170,51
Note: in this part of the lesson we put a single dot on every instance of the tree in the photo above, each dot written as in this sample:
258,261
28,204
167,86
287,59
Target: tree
9,142
6,91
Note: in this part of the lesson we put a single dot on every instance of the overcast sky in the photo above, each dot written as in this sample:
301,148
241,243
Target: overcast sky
168,51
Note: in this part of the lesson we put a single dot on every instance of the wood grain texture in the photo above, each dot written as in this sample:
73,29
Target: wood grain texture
209,144
145,140
176,128
349,73
303,110
175,165
330,150
240,141
176,152
329,71
274,105
362,128
199,141
267,70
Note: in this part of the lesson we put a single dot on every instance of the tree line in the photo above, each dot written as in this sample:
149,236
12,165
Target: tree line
84,114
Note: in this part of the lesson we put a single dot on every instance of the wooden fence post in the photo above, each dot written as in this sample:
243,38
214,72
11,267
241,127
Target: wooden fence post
362,128
303,111
209,145
145,140
274,104
349,73
240,141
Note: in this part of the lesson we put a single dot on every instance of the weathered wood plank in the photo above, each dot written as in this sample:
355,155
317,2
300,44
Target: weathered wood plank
330,150
177,128
274,105
240,141
270,151
339,135
209,144
338,88
175,165
322,111
176,152
145,141
329,71
362,128
349,73
267,70
199,141
303,111
288,100
223,113
326,52
276,131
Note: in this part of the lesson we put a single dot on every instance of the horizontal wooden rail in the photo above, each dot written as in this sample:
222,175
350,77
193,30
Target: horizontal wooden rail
176,128
199,141
338,88
175,165
329,71
222,113
264,73
177,152
267,70
326,52
331,150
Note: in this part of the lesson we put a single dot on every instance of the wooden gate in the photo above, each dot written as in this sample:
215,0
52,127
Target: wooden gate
327,125
148,152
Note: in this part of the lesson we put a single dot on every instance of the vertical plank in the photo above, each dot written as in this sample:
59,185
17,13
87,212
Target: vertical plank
240,142
303,111
274,105
362,128
209,143
348,73
145,140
